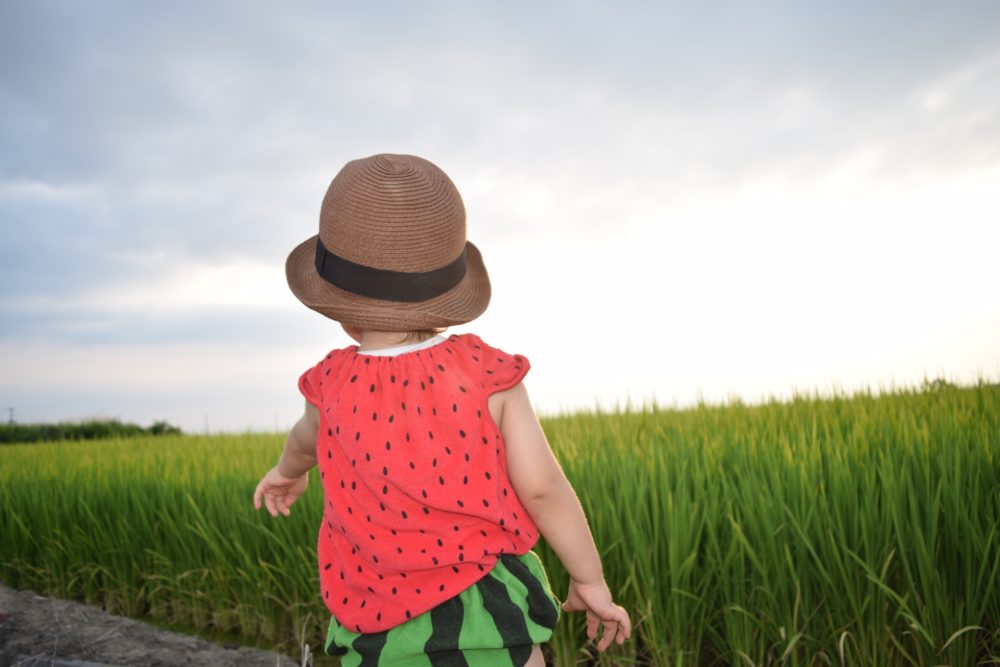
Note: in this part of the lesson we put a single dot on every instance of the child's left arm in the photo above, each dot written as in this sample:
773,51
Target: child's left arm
283,484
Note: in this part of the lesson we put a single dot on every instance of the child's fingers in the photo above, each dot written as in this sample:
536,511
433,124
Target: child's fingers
592,624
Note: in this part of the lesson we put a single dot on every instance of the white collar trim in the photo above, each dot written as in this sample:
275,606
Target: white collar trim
403,349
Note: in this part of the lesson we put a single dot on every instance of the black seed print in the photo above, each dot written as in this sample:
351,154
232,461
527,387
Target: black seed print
479,413
322,473
385,489
441,368
329,454
422,386
441,480
359,569
517,532
399,550
388,445
501,523
406,383
328,566
515,515
327,371
385,470
486,503
369,518
430,435
488,475
403,404
354,486
350,510
434,463
465,479
418,591
485,441
354,411
461,389
434,560
354,378
426,511
372,388
371,590
412,466
475,358
337,429
393,531
454,407
342,575
461,433
344,601
434,411
466,457
367,360
393,590
326,595
407,437
381,506
368,457
371,537
447,450
329,432
430,378
423,492
392,418
461,504
392,379
357,628
378,616
374,416
440,542
363,603
354,463
481,568
487,372
418,410
357,436
505,493
441,588
375,560
408,615
405,516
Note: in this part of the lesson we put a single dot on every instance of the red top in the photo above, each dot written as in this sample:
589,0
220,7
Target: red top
418,502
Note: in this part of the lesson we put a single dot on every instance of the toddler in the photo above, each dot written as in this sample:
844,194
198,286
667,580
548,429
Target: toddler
437,477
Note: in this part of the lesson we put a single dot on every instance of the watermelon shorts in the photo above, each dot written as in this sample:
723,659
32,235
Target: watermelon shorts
494,622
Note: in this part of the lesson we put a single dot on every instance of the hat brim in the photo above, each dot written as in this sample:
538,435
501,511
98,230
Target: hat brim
462,303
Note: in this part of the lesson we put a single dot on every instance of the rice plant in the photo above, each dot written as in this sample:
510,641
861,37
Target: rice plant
843,530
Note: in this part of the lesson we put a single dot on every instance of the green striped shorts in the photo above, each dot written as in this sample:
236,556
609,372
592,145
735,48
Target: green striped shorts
493,623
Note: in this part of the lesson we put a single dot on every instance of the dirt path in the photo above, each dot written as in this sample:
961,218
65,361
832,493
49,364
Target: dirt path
37,631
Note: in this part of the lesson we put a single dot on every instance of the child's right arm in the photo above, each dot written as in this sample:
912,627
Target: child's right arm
542,487
283,484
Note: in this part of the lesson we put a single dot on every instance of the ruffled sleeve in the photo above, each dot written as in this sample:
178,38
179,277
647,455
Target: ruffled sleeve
310,384
501,370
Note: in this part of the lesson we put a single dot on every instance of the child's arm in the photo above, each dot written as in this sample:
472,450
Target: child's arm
283,484
548,496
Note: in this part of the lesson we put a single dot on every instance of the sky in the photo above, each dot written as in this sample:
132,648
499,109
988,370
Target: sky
676,202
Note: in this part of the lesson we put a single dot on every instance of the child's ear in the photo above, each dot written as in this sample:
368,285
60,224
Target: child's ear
352,332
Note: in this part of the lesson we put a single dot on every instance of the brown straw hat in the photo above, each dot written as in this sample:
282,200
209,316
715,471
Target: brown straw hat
391,253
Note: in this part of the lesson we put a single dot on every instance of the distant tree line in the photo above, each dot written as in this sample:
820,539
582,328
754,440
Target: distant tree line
85,430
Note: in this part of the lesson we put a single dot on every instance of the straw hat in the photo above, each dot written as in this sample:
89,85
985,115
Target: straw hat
391,253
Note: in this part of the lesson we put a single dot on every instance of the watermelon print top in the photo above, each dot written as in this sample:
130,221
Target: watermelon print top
418,503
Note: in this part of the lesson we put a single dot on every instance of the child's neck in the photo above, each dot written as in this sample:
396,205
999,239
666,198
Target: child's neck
377,340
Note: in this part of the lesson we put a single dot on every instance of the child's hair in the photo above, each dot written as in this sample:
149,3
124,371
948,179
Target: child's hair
391,253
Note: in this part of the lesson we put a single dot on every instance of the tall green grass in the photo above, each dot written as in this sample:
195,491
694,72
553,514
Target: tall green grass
855,530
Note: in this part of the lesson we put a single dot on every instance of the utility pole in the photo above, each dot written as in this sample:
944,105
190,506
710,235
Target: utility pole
10,418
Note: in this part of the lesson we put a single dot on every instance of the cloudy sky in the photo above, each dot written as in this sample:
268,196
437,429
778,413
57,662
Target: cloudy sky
675,200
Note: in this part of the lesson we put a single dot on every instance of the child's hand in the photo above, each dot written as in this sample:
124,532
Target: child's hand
596,600
279,492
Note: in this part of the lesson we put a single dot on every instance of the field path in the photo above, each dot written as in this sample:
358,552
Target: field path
36,631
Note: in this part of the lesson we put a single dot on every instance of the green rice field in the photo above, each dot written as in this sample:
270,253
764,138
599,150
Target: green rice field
843,530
